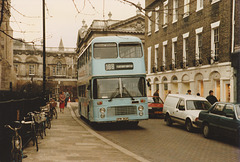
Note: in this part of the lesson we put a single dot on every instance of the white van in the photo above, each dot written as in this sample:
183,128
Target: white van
184,109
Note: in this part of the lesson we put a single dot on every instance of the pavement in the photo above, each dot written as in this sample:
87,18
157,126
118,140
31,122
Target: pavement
70,139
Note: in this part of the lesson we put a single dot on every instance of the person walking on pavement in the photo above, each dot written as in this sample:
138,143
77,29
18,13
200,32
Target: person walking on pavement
189,92
156,96
62,98
67,95
211,98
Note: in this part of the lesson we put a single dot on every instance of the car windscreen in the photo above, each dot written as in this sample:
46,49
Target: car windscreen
130,50
155,100
197,105
105,50
119,88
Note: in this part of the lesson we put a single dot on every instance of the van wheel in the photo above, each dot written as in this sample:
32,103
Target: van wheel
206,131
168,120
188,125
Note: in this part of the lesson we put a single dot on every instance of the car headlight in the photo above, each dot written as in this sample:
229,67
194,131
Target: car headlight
141,113
140,108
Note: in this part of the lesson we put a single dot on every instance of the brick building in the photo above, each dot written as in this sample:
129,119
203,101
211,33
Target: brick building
7,76
188,45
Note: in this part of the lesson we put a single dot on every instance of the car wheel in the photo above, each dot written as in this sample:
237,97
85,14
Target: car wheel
206,131
168,120
188,125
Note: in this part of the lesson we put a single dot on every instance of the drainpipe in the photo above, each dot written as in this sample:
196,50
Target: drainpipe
233,25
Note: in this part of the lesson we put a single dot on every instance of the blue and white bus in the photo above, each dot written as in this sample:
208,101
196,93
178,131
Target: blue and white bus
112,80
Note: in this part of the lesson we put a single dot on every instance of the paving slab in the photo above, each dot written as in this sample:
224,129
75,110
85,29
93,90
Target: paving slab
70,139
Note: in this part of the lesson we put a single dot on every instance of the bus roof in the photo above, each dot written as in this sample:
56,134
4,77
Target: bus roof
116,39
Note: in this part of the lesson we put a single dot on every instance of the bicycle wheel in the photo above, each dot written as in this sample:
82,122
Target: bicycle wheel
49,124
34,137
18,156
55,113
44,128
17,148
40,130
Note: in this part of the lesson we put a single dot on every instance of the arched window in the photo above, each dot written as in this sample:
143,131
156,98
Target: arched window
59,68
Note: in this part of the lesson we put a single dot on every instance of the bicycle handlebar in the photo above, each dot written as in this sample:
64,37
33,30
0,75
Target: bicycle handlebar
14,129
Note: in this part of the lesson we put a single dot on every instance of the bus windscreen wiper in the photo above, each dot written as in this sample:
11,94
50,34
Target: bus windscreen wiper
114,94
128,93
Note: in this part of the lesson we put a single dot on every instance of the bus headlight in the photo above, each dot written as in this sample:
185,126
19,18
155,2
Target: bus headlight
140,108
102,110
141,113
102,115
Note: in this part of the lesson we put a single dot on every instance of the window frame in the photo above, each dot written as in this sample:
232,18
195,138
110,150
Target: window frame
31,69
175,11
165,13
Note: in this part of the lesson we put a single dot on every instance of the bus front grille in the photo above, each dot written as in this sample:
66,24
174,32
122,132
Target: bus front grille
121,110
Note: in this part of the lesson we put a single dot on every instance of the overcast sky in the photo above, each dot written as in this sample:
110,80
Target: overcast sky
62,18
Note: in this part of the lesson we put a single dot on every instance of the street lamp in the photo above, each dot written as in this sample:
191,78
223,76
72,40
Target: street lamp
44,54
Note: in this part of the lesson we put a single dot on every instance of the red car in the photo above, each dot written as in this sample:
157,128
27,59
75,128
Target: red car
155,106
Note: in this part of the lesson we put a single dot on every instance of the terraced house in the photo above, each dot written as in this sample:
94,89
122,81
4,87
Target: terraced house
188,45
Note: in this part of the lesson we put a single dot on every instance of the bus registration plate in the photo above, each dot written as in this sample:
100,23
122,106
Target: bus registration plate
122,119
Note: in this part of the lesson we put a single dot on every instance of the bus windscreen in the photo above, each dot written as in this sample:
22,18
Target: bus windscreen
119,88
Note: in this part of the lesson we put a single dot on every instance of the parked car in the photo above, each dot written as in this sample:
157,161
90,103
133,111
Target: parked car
222,118
155,108
184,109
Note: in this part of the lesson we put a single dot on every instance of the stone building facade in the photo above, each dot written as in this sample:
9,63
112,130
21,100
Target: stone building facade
188,45
60,67
7,76
133,26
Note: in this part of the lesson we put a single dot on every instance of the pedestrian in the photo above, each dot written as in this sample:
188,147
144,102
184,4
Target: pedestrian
62,101
211,98
67,95
156,96
169,91
189,92
198,94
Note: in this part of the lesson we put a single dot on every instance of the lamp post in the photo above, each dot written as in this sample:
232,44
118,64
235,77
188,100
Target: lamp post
44,54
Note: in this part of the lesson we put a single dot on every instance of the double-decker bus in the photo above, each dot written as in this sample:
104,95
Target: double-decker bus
112,80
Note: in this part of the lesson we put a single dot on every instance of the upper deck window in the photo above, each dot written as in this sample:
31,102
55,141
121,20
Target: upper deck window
105,50
130,50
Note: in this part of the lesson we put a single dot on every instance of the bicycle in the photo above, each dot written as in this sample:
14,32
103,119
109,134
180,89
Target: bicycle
30,134
40,124
16,151
53,113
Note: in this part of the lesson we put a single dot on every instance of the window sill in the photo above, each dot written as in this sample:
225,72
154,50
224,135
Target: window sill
199,9
215,1
156,30
164,26
185,15
149,34
175,21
